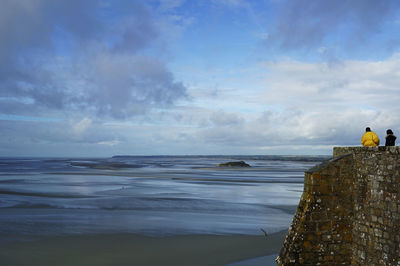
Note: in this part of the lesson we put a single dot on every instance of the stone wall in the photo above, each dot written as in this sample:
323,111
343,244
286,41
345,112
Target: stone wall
349,213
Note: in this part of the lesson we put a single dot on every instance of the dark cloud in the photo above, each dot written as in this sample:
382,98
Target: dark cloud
116,91
304,24
82,55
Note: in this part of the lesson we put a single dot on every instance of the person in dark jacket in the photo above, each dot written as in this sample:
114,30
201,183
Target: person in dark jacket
390,138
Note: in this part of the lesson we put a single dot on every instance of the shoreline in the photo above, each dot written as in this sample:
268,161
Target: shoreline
132,249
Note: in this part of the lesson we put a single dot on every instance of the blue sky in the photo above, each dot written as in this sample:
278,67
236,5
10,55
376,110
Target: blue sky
102,77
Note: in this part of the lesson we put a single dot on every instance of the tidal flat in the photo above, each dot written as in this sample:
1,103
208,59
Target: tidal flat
178,210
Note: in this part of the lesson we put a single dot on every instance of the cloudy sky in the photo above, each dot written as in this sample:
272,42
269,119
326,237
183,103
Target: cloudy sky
151,77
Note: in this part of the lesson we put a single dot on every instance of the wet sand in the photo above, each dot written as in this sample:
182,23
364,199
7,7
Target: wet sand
132,249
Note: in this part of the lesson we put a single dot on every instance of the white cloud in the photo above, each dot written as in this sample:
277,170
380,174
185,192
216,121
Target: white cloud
350,84
80,127
308,108
233,3
109,143
221,118
168,5
310,105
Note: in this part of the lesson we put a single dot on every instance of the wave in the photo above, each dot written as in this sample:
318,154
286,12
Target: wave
29,205
32,206
42,194
105,165
294,179
168,204
12,181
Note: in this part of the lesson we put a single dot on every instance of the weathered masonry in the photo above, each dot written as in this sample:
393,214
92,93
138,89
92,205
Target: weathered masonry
349,213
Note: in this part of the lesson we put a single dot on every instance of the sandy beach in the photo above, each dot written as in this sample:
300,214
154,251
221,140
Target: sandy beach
132,249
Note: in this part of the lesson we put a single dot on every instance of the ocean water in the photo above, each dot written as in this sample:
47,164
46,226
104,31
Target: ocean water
149,195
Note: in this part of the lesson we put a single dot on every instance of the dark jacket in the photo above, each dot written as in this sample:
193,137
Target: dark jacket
390,139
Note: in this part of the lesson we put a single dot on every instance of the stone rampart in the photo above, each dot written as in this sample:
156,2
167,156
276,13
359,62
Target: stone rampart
349,213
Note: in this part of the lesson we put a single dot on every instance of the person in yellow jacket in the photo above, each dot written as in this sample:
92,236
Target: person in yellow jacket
369,138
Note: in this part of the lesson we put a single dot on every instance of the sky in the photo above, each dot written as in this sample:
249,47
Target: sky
98,78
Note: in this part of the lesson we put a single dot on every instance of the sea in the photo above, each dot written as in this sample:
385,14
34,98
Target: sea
149,195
